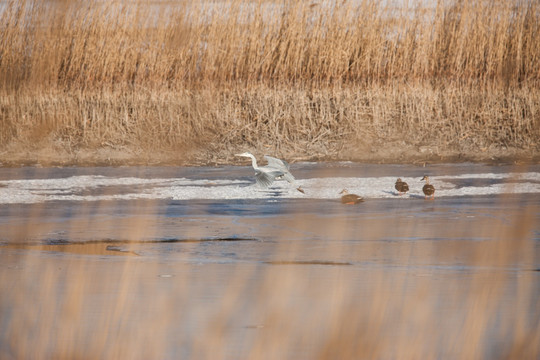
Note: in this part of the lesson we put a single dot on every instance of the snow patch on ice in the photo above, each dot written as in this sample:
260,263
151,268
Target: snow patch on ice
98,188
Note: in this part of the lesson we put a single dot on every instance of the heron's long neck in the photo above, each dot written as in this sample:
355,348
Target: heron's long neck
254,162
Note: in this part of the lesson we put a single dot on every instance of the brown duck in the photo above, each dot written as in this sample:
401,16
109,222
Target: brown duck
401,186
428,189
350,199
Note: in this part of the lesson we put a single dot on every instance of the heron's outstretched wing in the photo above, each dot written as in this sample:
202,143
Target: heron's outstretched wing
281,165
266,178
277,163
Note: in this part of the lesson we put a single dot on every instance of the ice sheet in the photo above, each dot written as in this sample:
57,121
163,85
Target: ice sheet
99,187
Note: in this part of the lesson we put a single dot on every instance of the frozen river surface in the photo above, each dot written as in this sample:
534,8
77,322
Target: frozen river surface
224,202
319,181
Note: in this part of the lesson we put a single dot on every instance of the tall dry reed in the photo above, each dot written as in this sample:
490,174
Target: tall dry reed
87,45
302,79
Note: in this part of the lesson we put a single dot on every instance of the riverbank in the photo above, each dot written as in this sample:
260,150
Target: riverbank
394,154
393,123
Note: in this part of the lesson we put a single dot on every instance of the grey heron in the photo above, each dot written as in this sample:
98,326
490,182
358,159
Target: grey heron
275,170
401,186
428,189
350,199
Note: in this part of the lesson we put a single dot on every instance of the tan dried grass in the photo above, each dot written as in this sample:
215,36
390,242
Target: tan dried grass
81,45
209,125
307,80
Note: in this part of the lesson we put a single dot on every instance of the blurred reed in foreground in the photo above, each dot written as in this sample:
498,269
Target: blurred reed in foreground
436,297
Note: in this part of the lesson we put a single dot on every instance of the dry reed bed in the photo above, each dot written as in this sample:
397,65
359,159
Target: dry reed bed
393,122
78,44
307,80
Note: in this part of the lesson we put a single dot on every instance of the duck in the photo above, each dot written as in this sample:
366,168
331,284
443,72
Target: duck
401,186
428,189
350,199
